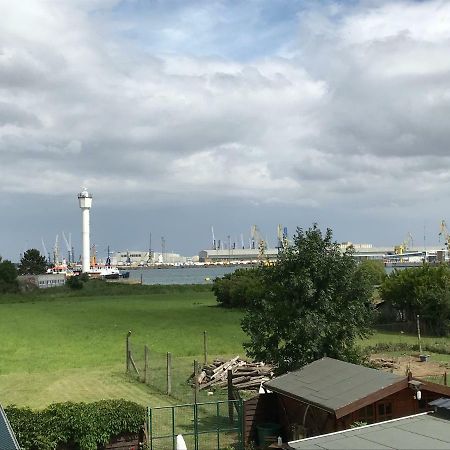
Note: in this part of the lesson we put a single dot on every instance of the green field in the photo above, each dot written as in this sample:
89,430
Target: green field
62,345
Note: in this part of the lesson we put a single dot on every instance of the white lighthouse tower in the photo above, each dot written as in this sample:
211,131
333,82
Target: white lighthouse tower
85,200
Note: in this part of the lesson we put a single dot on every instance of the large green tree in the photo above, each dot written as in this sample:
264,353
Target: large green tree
8,276
32,263
314,302
421,290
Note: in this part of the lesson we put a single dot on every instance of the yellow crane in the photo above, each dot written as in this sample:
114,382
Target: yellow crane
406,245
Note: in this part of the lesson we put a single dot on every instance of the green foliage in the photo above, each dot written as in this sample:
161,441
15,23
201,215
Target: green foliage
82,425
423,290
75,282
238,289
32,263
373,271
8,277
313,302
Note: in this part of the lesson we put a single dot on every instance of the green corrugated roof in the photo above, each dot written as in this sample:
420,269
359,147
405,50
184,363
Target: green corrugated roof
422,431
332,384
7,439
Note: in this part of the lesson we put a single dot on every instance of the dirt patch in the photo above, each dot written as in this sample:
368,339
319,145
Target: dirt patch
401,364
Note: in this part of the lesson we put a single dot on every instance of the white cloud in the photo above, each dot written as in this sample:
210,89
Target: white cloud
354,106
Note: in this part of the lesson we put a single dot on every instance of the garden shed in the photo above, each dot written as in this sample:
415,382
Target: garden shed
330,395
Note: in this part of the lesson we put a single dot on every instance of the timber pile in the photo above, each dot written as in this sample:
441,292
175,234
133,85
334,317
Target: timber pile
383,363
246,376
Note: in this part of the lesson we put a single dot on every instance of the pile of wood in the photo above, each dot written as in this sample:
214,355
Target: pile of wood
245,375
384,363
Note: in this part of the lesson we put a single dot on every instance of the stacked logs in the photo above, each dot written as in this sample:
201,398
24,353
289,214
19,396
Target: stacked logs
245,375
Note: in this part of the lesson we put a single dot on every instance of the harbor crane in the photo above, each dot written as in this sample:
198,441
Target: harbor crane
406,245
282,236
68,246
258,241
46,253
444,234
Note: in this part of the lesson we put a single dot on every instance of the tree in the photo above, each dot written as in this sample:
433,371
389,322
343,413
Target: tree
421,290
32,263
8,277
373,270
313,302
237,289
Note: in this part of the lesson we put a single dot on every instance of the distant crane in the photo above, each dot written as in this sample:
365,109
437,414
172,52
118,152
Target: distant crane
406,245
150,251
444,234
213,239
258,241
46,253
68,246
56,250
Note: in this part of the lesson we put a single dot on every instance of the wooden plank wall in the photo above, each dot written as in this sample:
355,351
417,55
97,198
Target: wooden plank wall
257,410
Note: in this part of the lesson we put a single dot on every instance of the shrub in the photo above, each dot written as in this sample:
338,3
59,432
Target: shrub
78,425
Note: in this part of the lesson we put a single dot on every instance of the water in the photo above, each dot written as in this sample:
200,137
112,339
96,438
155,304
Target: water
188,275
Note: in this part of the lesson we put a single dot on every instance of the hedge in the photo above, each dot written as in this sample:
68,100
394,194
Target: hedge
83,426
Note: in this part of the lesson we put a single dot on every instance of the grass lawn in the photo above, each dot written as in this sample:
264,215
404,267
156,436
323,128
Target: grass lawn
62,345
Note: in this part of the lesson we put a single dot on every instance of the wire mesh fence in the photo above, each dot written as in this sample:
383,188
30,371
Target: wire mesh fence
169,374
436,378
204,426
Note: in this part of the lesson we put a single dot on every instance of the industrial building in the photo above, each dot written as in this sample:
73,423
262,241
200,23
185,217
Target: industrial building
138,258
361,251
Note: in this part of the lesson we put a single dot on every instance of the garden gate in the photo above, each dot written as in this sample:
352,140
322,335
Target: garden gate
204,426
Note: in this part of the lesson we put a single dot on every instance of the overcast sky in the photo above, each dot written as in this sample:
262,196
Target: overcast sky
179,115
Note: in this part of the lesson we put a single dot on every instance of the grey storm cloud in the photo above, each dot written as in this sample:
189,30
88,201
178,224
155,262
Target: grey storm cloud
355,103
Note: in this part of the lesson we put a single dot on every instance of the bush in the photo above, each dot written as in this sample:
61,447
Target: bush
76,425
75,282
238,289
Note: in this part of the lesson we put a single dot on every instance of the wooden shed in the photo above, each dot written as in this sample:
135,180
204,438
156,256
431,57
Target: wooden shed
330,395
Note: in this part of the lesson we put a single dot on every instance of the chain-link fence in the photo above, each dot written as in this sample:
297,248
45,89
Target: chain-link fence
204,426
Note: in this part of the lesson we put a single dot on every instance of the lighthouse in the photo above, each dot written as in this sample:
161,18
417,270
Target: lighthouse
85,199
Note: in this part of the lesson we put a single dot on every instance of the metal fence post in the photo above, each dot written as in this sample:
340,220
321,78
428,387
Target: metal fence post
150,428
174,439
205,347
230,394
145,364
196,381
127,350
169,373
195,427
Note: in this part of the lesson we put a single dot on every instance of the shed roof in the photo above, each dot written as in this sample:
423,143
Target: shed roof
8,440
335,385
414,432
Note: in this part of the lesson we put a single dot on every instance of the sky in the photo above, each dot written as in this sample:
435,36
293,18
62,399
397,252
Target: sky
180,115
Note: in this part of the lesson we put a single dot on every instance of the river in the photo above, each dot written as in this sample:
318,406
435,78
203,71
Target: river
187,275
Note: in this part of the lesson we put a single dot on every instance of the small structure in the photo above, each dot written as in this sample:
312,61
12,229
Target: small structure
329,395
423,430
43,281
8,440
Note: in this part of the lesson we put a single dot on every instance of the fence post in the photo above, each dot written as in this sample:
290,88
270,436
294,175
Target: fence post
145,364
169,373
196,380
445,378
230,394
127,351
205,347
